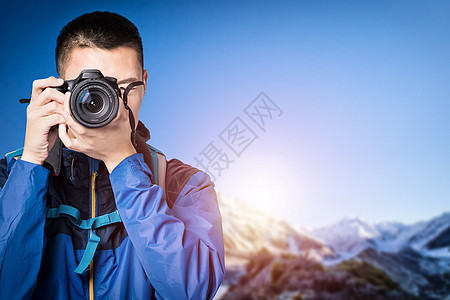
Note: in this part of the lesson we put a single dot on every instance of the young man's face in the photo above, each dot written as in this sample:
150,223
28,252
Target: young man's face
121,63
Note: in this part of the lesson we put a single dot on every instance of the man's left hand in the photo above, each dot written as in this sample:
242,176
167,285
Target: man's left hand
111,143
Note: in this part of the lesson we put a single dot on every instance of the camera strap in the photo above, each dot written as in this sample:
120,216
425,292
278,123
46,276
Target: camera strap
132,120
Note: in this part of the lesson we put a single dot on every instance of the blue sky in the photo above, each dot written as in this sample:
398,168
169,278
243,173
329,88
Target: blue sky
363,87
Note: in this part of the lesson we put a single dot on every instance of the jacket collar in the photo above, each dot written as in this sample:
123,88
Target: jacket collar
54,159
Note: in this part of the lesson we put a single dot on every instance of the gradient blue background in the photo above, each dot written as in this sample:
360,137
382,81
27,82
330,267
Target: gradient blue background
363,85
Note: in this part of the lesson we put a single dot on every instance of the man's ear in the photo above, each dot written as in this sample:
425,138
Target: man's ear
144,79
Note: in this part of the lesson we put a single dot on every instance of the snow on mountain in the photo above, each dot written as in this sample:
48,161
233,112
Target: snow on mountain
416,256
350,236
426,232
416,273
248,231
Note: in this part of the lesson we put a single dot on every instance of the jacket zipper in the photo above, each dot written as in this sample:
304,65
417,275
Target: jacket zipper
93,214
72,164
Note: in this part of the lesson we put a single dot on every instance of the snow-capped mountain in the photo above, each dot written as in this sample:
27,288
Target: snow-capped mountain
348,236
416,256
353,235
247,231
430,235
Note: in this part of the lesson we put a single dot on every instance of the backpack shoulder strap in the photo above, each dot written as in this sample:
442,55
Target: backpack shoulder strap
159,166
16,153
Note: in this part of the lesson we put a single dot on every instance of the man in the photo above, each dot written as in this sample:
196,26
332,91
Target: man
55,194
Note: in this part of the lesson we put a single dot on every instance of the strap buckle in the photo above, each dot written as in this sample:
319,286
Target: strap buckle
92,224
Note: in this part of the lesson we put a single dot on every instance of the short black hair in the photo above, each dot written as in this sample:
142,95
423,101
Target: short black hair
101,29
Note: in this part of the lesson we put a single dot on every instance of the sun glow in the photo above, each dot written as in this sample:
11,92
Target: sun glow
263,189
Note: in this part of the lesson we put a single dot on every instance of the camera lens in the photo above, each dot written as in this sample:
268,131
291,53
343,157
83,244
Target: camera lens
94,103
91,102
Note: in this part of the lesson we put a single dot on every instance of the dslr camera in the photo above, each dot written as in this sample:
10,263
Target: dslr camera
94,98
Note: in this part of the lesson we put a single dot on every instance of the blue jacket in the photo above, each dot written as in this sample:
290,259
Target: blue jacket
163,248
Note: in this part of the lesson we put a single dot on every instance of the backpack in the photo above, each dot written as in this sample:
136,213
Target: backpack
158,167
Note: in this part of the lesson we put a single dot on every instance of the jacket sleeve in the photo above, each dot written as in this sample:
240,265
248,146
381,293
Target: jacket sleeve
181,249
22,220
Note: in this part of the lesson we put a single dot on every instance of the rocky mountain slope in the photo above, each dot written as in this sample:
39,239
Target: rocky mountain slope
247,231
268,258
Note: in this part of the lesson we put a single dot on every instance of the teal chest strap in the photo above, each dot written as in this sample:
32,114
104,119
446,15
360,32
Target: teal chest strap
92,224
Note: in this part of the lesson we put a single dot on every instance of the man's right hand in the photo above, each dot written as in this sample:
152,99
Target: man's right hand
44,111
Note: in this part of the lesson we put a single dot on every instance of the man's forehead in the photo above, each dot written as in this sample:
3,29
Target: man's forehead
121,63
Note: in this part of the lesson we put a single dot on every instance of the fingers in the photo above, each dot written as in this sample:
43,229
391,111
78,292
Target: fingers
44,112
41,84
36,114
66,101
74,126
52,120
64,137
48,109
47,96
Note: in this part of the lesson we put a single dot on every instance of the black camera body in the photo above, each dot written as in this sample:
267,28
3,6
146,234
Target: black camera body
94,99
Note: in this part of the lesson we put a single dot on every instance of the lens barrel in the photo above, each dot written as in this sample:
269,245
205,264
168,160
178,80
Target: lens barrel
94,99
94,102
